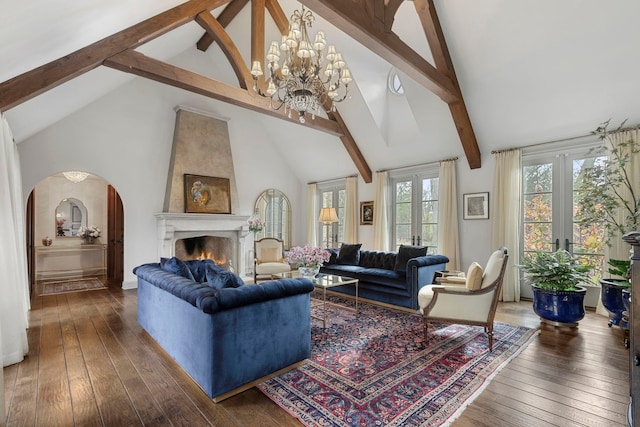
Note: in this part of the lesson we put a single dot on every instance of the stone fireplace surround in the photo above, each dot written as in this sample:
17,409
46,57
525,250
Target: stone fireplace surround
174,226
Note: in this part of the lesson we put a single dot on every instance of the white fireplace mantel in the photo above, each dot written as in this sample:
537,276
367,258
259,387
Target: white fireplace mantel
174,226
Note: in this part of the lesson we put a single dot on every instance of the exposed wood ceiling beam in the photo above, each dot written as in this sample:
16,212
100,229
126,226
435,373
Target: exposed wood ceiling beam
117,52
226,16
352,148
32,83
278,16
433,31
347,139
136,63
215,30
257,35
370,22
357,18
257,54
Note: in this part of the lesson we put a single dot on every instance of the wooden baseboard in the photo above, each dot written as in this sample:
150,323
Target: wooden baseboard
247,386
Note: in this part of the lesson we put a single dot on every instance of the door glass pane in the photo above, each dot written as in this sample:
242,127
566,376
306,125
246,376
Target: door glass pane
403,197
429,214
342,203
588,241
538,208
325,234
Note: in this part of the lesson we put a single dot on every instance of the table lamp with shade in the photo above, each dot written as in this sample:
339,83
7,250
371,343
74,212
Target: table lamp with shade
328,216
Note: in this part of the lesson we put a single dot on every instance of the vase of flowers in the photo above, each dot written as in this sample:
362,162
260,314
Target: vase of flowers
256,224
308,259
88,234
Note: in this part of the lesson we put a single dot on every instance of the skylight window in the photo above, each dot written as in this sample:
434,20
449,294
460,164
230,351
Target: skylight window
394,83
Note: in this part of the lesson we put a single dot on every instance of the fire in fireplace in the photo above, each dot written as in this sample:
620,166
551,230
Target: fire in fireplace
218,249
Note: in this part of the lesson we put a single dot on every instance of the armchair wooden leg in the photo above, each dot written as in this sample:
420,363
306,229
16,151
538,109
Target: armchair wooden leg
490,335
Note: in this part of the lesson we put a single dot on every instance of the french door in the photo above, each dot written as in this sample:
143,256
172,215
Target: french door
334,197
415,210
551,199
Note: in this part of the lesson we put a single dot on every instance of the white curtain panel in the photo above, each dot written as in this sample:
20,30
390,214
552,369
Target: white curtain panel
448,239
380,213
312,214
14,283
505,216
350,232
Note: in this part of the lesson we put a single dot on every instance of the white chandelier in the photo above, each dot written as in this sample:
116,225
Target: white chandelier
307,77
75,176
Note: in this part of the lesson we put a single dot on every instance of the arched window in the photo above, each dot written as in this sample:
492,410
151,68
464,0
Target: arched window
394,83
274,207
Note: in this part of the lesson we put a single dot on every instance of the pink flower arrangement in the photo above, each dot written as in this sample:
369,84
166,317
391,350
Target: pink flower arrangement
307,256
255,223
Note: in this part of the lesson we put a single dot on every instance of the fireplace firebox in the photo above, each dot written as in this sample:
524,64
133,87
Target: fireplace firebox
222,237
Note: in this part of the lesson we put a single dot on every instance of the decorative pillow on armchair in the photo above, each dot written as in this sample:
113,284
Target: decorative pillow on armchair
405,253
349,254
270,255
474,277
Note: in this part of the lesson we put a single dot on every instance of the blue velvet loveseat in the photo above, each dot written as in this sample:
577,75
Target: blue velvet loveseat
225,334
389,277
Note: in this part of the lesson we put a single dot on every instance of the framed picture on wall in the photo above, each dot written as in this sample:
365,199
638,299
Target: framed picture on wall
366,213
475,206
206,194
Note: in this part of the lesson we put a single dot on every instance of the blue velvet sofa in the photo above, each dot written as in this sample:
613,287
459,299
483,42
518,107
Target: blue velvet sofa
223,333
389,277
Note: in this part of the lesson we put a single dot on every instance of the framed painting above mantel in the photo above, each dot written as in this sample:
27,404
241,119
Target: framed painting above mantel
206,194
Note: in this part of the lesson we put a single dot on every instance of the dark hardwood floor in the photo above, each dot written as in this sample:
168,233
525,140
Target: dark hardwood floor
90,364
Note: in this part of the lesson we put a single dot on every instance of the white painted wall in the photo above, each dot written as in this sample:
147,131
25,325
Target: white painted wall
126,138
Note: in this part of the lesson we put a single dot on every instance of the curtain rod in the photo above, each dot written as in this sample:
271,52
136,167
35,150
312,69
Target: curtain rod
334,179
572,138
451,159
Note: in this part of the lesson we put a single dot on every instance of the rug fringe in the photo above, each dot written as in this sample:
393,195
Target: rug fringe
488,380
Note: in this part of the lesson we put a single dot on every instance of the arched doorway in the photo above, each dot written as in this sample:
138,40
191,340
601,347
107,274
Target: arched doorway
57,208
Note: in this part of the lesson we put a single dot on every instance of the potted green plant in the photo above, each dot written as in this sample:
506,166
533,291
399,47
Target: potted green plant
606,188
555,279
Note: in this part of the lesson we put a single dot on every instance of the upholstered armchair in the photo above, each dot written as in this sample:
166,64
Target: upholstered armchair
269,259
471,300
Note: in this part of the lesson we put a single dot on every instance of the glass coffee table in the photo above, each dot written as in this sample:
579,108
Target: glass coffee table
323,282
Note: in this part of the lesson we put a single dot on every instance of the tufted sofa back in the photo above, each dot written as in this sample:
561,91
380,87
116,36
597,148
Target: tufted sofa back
378,259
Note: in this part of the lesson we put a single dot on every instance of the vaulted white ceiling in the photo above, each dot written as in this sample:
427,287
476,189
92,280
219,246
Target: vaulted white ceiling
529,72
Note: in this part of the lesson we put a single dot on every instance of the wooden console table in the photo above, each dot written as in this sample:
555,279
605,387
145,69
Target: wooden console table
70,262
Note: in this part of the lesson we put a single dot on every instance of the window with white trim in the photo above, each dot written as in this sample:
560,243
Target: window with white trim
414,214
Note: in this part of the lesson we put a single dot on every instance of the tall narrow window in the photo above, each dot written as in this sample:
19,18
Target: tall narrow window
414,215
333,195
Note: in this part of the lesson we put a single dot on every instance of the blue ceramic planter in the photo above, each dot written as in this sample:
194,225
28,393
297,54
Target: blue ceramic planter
612,300
562,307
626,299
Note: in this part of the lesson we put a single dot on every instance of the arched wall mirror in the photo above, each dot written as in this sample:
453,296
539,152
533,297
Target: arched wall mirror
71,214
274,207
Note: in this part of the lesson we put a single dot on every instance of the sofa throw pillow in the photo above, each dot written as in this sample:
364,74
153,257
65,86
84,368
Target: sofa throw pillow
176,266
270,255
474,277
210,270
223,279
405,253
349,254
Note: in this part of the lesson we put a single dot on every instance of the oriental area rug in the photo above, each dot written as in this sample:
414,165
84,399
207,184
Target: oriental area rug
77,285
374,369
